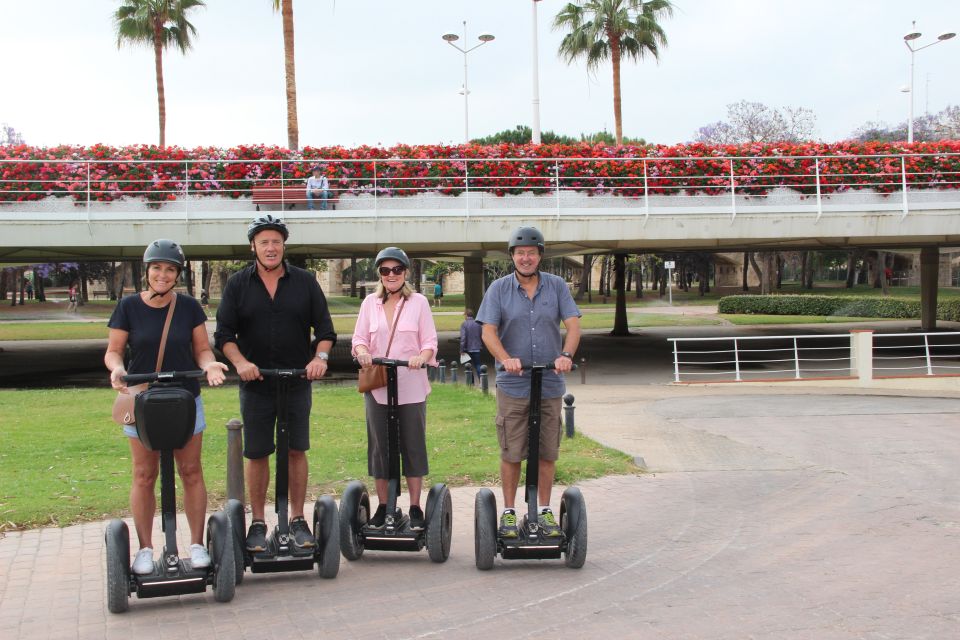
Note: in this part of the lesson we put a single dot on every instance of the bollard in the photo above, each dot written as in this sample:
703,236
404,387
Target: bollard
468,374
431,373
568,414
443,371
453,372
235,487
484,383
583,371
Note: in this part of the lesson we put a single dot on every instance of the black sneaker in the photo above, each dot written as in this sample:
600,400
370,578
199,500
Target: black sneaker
376,522
300,532
548,524
257,536
508,525
416,518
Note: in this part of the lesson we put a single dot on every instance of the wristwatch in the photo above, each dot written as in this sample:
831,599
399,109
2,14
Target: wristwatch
567,354
323,355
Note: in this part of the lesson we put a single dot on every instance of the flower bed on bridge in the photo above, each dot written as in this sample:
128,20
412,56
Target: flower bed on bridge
104,173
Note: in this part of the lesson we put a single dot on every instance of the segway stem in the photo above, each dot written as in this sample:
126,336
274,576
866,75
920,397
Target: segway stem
168,509
282,483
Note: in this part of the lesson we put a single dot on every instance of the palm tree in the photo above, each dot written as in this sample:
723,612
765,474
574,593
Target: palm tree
614,29
156,23
293,126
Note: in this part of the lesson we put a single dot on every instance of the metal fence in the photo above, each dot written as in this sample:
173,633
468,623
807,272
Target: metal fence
811,357
650,184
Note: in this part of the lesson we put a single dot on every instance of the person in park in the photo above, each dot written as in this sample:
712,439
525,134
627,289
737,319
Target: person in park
438,292
266,315
395,321
471,341
138,322
520,316
318,188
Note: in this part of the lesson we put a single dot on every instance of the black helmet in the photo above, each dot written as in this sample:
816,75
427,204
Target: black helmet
262,223
393,253
164,251
525,237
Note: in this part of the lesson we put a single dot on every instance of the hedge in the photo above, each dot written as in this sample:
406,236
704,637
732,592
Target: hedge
849,306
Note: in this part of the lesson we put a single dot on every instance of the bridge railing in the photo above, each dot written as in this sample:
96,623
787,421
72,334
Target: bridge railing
861,354
645,184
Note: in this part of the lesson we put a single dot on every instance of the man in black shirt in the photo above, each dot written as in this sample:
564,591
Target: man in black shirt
264,320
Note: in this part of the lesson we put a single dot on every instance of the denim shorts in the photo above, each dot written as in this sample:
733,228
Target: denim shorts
130,430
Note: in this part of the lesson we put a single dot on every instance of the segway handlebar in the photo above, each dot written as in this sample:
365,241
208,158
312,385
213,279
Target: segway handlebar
283,373
531,367
389,362
162,376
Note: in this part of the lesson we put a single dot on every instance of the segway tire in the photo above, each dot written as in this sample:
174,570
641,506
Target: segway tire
325,530
238,526
485,529
354,513
573,521
439,522
220,547
117,541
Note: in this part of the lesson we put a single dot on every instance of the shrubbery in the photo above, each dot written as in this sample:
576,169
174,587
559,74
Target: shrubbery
849,306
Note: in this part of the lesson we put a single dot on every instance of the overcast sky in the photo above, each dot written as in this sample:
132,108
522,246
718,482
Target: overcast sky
377,71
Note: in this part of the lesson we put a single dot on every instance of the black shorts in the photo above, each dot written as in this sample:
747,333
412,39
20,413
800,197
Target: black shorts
413,439
259,413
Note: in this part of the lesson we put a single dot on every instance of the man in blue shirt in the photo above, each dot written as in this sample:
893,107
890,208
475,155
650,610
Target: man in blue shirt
520,315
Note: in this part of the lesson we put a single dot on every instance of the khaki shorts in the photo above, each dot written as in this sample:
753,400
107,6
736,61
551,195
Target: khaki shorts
512,426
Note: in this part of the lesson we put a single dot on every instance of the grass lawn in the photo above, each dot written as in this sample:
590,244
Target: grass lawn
63,461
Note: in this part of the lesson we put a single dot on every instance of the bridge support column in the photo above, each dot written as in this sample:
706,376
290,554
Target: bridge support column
929,272
472,282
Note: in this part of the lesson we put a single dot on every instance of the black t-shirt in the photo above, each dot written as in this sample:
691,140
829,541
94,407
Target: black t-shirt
145,326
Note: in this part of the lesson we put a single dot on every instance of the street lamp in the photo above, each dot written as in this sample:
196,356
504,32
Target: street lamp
451,38
907,39
536,80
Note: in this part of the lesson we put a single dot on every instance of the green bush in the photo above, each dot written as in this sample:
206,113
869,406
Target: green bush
848,306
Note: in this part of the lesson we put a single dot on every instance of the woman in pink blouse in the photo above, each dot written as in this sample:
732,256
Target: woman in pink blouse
415,340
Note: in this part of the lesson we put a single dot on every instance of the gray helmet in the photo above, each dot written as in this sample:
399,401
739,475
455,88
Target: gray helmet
525,237
262,223
393,253
164,251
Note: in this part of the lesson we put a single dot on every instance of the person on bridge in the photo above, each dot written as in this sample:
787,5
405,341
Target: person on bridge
265,318
139,321
520,316
318,188
397,319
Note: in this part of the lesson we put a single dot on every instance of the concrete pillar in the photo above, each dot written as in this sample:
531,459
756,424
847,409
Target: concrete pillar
861,355
929,266
472,283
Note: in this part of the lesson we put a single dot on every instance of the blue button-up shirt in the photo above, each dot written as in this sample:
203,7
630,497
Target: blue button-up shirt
529,329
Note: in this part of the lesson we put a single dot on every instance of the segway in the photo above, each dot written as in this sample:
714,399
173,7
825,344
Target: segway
281,554
531,543
396,535
165,416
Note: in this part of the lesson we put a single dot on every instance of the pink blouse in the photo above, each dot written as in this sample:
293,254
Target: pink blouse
415,332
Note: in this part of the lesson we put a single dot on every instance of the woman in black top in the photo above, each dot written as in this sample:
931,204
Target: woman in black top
138,321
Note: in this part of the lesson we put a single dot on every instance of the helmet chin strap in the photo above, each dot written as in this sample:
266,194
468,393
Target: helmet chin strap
156,294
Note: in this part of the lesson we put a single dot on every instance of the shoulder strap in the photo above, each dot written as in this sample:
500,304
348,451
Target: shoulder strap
396,319
166,330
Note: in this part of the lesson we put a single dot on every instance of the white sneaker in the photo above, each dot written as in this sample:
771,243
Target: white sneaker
143,562
199,557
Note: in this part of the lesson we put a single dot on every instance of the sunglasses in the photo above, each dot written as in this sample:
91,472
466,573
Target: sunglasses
397,270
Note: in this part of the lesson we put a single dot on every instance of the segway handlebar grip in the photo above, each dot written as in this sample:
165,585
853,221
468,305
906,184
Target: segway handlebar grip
391,361
165,376
531,367
283,373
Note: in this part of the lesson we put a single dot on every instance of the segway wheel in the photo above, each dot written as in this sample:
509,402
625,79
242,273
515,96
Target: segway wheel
573,521
485,529
220,547
354,513
117,541
439,522
325,523
238,525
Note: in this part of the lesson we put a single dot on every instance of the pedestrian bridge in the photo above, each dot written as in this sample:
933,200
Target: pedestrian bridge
61,210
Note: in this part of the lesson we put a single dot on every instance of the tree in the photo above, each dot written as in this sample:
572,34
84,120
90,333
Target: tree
293,125
522,134
614,29
160,24
755,122
944,125
9,135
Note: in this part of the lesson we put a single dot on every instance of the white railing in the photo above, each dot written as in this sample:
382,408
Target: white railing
861,354
646,185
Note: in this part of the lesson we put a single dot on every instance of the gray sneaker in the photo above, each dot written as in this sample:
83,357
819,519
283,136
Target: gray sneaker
300,531
508,525
548,524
